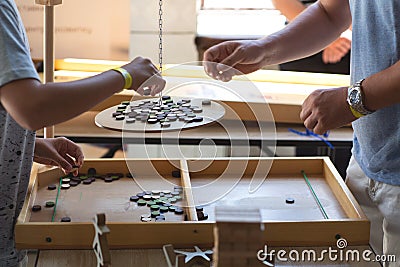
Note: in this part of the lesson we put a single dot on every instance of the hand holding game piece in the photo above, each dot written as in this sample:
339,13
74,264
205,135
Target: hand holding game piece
144,76
59,152
231,58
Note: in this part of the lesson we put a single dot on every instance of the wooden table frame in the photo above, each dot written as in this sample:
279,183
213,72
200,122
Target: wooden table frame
79,235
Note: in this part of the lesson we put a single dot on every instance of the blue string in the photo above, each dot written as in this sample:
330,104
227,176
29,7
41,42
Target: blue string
312,134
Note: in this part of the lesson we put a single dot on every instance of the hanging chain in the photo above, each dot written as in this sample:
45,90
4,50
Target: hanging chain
160,46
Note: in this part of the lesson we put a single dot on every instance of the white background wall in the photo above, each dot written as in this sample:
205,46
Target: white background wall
97,29
179,30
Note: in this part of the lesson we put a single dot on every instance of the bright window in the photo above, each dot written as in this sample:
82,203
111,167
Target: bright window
236,4
238,18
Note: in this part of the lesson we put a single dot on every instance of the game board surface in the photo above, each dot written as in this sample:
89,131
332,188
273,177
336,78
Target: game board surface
195,188
154,114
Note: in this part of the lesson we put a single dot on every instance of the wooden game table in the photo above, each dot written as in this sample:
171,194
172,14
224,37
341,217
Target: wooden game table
345,216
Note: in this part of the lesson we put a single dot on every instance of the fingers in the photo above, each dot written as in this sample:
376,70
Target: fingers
232,60
152,87
226,68
74,151
68,156
147,79
306,114
219,61
330,55
158,85
211,56
318,129
336,50
58,160
310,123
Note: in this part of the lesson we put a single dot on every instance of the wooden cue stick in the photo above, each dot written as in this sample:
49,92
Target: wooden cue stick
187,191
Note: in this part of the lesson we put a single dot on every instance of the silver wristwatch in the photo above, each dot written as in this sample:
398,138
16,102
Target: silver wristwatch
355,98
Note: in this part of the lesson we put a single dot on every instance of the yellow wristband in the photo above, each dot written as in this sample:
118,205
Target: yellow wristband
127,77
356,113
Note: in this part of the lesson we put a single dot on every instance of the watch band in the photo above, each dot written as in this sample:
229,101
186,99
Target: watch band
127,77
358,110
356,113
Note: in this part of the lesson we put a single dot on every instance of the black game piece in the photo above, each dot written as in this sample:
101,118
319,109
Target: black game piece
134,198
87,181
178,211
200,215
91,172
50,204
172,208
108,179
36,208
76,179
176,174
290,200
51,187
65,219
120,117
197,119
140,194
73,183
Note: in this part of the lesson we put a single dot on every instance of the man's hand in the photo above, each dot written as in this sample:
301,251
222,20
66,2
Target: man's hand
225,60
336,50
326,109
59,152
145,75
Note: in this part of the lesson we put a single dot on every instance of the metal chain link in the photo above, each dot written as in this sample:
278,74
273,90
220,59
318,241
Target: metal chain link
160,46
160,25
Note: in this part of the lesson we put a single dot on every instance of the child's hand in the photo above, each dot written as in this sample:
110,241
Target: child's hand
59,152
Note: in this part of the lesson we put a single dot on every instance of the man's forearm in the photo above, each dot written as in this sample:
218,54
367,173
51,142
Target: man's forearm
313,30
382,89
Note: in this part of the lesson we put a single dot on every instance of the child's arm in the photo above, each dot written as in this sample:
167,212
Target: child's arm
35,105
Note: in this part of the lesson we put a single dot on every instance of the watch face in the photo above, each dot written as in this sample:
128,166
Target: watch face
354,97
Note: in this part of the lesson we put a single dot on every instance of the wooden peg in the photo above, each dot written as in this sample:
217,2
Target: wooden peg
180,261
48,2
169,255
100,243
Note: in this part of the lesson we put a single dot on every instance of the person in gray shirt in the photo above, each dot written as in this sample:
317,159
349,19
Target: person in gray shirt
371,103
27,105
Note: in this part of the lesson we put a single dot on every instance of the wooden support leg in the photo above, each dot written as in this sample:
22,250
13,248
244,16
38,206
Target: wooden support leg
100,243
48,48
